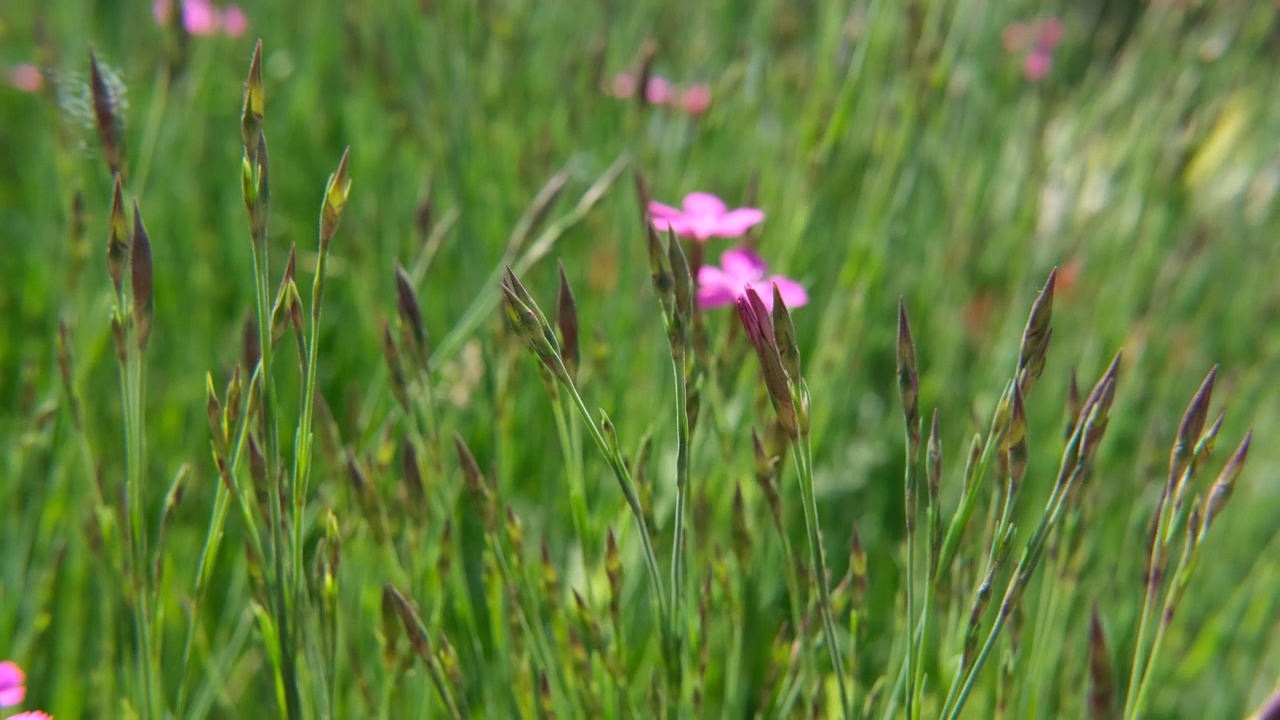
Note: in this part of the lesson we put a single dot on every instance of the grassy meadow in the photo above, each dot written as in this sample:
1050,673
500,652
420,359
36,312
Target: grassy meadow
395,480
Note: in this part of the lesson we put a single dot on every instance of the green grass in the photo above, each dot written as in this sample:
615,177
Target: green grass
896,150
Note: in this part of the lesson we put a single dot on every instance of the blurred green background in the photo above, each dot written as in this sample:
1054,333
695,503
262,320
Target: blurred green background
896,148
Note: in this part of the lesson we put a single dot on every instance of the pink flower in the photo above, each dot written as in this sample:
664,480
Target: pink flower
696,99
31,715
200,17
740,269
1036,66
659,91
1038,39
26,77
704,216
234,23
12,679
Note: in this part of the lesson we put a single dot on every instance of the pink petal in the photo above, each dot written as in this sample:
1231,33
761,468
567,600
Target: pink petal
743,265
199,17
716,287
1036,65
696,99
31,715
234,23
736,222
700,203
659,210
678,225
793,294
11,680
658,91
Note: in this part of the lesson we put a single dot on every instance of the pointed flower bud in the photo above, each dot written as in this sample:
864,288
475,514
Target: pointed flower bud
784,335
336,193
140,276
106,116
567,320
411,316
1226,482
255,104
908,384
759,326
1035,337
118,240
1189,430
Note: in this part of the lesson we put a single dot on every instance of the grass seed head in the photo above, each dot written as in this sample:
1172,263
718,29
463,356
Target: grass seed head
214,410
1222,488
413,480
336,192
1017,439
141,280
410,312
106,116
1035,337
118,239
933,469
567,320
1073,404
255,104
908,384
1189,430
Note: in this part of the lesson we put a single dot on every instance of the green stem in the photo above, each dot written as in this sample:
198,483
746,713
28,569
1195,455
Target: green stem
633,501
804,466
303,442
1131,710
911,660
678,558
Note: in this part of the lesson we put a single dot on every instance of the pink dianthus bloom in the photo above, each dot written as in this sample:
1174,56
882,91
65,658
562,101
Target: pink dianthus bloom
739,269
704,216
12,684
31,715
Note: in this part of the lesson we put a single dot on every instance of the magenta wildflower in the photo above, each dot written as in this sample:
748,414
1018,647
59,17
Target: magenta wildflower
741,268
704,216
200,17
12,684
1038,40
26,77
31,715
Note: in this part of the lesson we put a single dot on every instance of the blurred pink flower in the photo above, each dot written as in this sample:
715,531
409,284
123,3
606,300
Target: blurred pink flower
1037,64
12,680
696,99
659,91
234,23
31,715
200,17
1038,39
741,268
704,216
26,77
